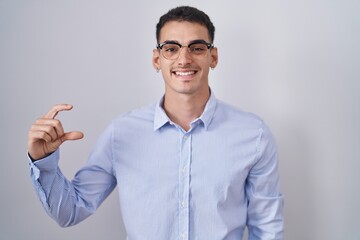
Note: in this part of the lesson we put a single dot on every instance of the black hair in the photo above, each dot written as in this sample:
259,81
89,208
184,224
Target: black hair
189,14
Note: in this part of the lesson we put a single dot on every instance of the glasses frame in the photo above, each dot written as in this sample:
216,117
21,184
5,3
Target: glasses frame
161,45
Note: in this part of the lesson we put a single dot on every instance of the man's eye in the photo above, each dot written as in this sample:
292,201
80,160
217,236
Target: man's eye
198,48
171,48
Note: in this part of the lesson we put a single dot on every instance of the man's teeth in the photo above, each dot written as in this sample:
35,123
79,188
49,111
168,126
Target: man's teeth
184,73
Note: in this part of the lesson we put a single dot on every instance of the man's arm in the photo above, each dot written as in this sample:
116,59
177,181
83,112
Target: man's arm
265,207
67,202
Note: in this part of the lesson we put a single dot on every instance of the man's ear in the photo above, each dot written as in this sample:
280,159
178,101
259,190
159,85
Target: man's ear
156,59
214,57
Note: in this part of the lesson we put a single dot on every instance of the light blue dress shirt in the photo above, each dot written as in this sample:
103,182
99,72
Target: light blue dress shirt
207,183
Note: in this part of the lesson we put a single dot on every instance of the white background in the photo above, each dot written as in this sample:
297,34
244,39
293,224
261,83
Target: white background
294,63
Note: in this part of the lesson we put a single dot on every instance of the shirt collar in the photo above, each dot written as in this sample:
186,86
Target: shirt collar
160,117
209,111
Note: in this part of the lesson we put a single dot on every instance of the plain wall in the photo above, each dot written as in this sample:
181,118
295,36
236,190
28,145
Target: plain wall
294,63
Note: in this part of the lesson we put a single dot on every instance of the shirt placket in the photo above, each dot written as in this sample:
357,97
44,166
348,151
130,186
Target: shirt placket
184,180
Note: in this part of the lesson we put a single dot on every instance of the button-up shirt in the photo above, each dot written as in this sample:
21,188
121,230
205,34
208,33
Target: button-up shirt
207,183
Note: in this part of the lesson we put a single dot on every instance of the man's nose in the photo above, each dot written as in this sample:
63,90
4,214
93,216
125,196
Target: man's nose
184,56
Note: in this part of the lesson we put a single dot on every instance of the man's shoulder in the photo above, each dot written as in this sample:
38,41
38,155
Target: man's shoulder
138,115
234,115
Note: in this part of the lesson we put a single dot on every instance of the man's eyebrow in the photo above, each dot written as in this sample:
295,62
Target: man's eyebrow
198,41
171,41
192,41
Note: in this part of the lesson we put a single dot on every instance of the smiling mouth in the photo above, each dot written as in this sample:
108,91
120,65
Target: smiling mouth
185,73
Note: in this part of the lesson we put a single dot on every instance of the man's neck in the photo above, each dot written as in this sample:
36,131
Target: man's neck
182,109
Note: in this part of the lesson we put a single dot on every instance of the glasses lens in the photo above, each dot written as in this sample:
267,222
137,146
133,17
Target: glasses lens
198,49
170,51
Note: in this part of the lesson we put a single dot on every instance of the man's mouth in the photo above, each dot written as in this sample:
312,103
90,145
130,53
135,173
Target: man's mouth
185,73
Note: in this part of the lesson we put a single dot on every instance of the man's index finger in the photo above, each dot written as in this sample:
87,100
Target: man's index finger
56,109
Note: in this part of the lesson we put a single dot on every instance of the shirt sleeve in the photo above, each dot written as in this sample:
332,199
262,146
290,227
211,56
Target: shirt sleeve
265,202
69,202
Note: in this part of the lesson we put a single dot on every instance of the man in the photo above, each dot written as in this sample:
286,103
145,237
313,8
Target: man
187,167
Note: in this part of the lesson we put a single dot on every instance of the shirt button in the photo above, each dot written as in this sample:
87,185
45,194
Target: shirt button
183,235
183,204
183,170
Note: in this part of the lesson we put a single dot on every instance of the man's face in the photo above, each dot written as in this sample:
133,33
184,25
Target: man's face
186,74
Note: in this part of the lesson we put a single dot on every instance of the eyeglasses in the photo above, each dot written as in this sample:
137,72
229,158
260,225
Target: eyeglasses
197,49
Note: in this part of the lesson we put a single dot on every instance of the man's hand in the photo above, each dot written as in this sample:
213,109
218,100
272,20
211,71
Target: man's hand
47,133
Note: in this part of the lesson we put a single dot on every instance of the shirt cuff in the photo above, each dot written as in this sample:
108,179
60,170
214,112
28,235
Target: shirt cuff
49,164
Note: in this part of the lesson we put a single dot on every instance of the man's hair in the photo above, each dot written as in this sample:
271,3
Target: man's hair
188,14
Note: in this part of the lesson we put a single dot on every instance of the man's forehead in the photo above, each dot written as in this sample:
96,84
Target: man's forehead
183,30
